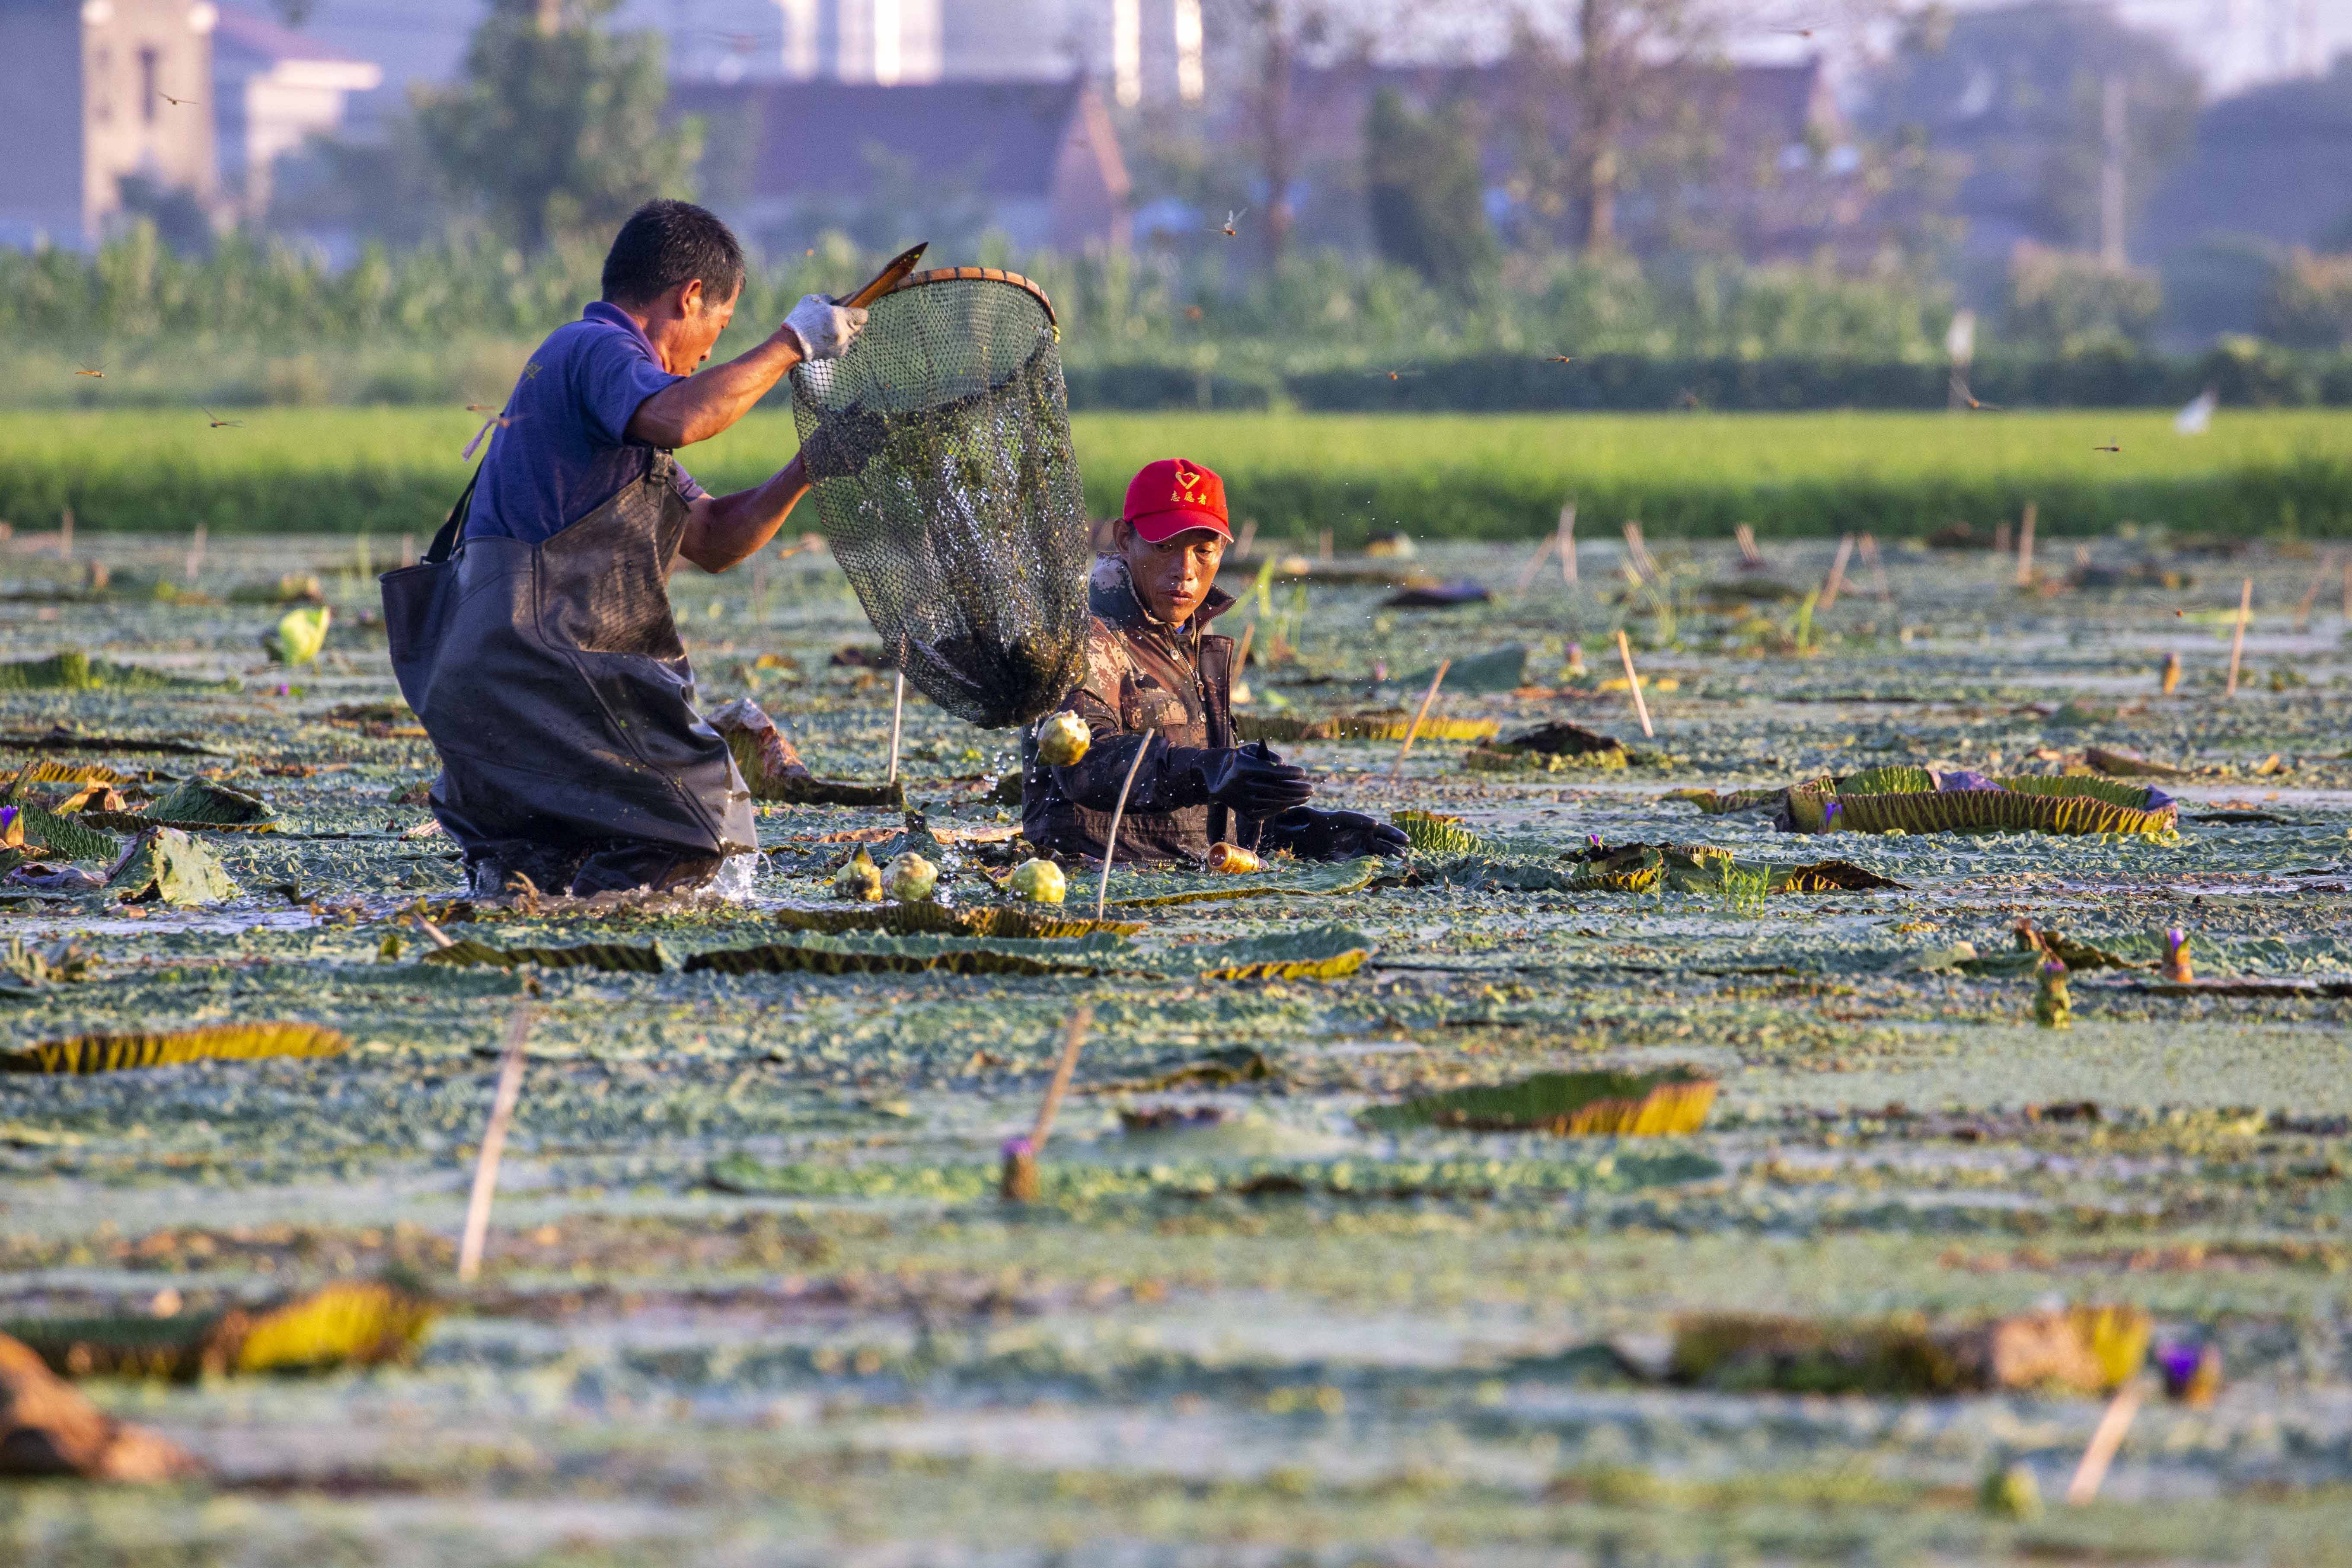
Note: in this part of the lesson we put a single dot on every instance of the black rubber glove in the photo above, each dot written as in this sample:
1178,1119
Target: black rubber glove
1252,780
840,447
1331,835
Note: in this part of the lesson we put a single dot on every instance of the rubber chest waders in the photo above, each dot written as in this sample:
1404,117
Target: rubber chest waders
553,683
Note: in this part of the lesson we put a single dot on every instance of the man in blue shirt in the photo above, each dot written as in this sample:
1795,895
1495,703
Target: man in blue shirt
536,642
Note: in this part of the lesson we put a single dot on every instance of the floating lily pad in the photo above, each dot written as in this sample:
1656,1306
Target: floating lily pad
927,916
197,804
341,1325
1318,952
2084,1349
819,955
614,957
214,1042
1134,891
1434,833
1568,1104
164,863
1386,725
73,670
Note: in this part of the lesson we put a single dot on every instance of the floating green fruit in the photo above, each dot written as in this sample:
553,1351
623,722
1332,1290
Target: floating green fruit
1039,881
909,879
1063,739
860,881
300,634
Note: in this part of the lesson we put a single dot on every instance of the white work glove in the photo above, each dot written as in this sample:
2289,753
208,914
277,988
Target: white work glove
825,329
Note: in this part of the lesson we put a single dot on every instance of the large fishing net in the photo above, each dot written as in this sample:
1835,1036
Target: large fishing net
965,535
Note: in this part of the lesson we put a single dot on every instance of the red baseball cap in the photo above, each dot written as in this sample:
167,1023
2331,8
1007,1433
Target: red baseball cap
1172,495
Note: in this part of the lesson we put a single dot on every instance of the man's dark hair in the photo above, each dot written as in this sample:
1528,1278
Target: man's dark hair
668,243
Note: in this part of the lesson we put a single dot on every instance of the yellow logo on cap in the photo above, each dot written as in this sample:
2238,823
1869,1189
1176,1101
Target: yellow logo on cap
1188,479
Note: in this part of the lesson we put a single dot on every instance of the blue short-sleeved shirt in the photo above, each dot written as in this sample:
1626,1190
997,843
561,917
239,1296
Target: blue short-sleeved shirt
567,451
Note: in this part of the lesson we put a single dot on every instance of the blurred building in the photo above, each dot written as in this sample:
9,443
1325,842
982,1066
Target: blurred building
100,92
273,87
1038,161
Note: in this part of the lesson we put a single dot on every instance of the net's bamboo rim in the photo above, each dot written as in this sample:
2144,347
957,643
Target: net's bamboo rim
982,275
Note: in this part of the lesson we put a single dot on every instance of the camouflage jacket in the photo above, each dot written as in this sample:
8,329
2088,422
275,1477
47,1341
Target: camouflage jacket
1144,679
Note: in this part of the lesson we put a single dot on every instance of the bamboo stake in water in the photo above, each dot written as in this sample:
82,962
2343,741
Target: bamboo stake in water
2347,591
1568,551
1634,683
897,715
2025,547
1749,559
2238,637
1880,586
1018,1181
1241,653
196,554
1396,769
408,550
1830,589
1535,563
2311,594
1074,1036
1111,842
1638,552
2105,1439
494,1145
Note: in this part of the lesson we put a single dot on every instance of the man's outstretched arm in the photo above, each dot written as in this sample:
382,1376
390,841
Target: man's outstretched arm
725,530
708,402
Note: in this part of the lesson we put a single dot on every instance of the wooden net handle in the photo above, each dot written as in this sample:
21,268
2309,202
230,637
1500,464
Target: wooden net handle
979,275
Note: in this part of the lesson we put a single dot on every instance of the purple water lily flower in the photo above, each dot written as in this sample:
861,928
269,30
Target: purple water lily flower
2179,1363
1830,816
1960,779
1016,1148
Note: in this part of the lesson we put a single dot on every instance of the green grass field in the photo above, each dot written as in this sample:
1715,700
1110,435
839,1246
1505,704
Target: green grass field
1446,476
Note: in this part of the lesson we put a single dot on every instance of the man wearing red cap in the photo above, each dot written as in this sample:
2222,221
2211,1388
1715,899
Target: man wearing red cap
1157,679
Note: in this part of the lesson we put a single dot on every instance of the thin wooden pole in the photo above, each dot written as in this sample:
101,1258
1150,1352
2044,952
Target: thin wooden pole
1868,545
1535,563
1074,1036
1836,582
2105,1439
2025,547
1111,843
2347,589
1750,557
1633,682
1241,654
2311,594
197,555
1568,553
494,1145
1396,769
2238,637
897,716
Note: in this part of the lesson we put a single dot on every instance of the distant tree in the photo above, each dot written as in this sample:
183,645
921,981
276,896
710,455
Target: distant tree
2020,92
2309,301
1427,196
556,128
2069,302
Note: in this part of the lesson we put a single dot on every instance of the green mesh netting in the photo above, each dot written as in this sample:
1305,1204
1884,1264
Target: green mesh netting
965,535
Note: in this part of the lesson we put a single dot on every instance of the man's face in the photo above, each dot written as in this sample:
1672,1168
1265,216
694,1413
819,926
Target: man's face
1173,577
701,320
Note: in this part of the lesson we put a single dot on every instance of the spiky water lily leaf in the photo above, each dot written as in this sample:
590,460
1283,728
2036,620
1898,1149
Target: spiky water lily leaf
1724,803
42,771
2137,797
614,957
1434,833
1135,890
164,863
73,670
1897,778
946,919
1388,724
1639,868
65,837
341,1325
1650,1104
205,802
1318,952
1098,955
1829,877
1966,811
214,1042
1495,760
2081,1349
